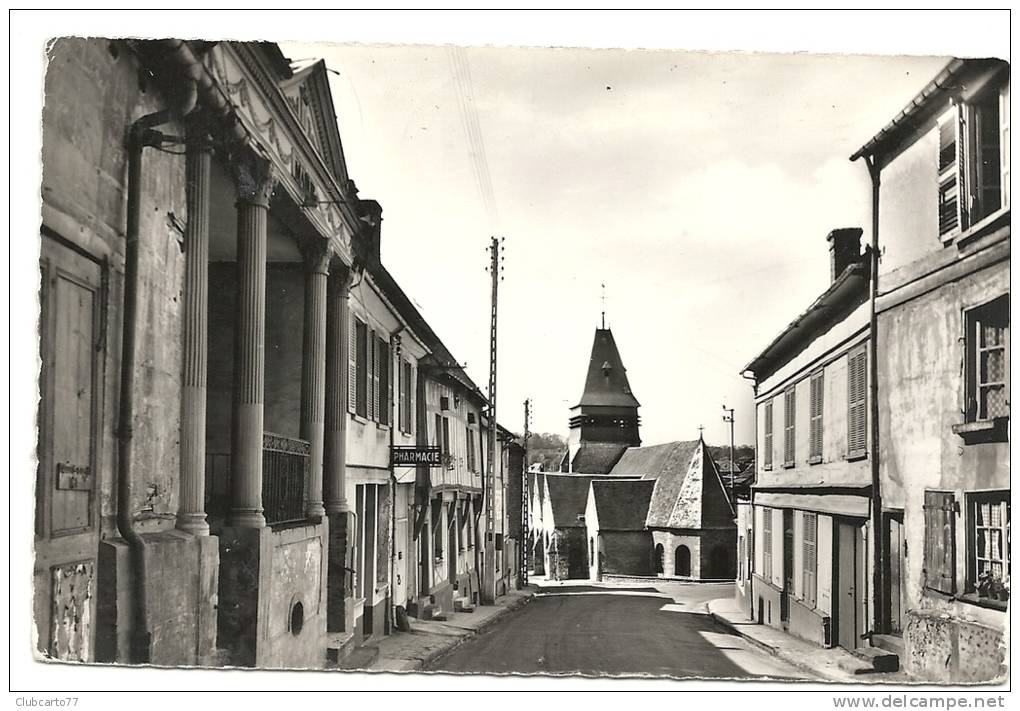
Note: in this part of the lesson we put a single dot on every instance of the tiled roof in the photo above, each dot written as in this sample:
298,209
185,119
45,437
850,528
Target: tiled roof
597,457
688,491
606,383
568,498
622,505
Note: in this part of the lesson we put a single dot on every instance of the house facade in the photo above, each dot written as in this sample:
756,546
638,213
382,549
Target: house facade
186,519
941,171
808,518
225,366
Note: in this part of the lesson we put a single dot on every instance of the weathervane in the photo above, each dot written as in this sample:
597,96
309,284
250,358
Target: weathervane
603,307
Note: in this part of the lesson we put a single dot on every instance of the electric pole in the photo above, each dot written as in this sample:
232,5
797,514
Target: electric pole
728,417
489,570
522,576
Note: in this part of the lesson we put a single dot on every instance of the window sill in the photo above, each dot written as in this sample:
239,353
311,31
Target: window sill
856,456
986,225
986,602
983,431
767,468
816,459
789,465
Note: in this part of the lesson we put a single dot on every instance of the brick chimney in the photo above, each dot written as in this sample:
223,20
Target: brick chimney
371,227
844,249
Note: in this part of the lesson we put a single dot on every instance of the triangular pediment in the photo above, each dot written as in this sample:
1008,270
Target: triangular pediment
309,97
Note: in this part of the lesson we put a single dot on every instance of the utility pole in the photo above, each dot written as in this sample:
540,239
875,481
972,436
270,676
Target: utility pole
728,417
488,595
522,575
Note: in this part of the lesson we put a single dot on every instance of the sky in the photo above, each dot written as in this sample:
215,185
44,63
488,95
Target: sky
698,187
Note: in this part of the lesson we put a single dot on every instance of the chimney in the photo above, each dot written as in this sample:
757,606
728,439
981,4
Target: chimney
844,249
371,221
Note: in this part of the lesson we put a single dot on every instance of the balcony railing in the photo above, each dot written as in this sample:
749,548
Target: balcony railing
285,467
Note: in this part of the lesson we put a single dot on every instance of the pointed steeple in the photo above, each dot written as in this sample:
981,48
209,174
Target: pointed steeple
606,384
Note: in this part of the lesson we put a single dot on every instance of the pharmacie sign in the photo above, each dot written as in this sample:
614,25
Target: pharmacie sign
411,456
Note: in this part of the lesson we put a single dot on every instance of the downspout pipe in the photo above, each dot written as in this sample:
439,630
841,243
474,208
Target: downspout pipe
141,134
878,542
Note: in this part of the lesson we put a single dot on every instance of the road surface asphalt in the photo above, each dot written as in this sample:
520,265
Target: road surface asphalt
627,630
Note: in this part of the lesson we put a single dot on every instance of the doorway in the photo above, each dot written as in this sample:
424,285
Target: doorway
66,530
894,572
784,599
682,561
849,584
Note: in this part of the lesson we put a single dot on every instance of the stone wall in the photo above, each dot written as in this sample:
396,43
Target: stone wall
941,648
567,554
626,553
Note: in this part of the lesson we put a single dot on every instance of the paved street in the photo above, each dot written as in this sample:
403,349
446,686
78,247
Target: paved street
616,629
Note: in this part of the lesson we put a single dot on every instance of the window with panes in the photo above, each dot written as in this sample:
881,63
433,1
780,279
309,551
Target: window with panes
987,361
988,568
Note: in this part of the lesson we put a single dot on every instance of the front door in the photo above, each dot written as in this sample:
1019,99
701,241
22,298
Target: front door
894,572
66,527
849,585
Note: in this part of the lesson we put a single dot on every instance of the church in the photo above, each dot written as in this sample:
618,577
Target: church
617,508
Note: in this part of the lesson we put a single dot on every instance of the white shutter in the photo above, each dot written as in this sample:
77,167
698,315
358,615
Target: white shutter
373,376
352,361
412,398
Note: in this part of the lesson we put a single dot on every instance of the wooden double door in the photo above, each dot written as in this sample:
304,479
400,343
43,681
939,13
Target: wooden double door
67,480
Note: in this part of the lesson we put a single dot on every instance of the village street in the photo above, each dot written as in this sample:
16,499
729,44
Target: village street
597,629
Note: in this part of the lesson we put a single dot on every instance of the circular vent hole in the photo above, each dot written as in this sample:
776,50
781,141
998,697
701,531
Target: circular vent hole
297,618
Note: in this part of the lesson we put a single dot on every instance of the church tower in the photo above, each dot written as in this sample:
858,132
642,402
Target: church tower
605,421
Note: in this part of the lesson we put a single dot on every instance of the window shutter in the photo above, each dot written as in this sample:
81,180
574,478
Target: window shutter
766,519
768,435
857,417
402,394
810,557
352,362
790,418
817,395
412,398
385,383
373,376
940,541
950,177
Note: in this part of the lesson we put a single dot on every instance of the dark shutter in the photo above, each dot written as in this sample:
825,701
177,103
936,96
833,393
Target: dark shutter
940,541
362,379
950,177
857,415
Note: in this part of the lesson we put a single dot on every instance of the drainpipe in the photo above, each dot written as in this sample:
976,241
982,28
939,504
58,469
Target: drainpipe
142,133
878,611
395,346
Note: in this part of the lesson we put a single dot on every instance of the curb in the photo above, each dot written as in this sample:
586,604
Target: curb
414,665
767,648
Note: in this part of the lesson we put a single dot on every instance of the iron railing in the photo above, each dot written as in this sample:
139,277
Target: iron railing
284,478
285,467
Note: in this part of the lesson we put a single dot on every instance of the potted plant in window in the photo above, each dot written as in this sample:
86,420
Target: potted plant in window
984,584
1000,590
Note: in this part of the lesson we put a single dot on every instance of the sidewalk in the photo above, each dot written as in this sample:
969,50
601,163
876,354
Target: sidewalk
836,665
429,639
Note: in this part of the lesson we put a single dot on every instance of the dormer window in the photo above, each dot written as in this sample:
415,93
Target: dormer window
606,367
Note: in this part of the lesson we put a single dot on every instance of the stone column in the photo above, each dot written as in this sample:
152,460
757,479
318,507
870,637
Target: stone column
195,341
313,370
335,447
254,177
